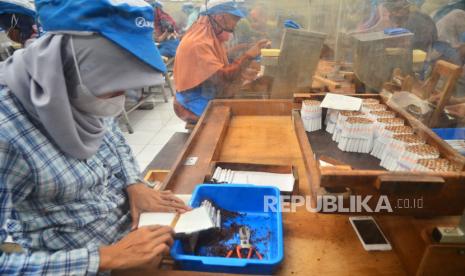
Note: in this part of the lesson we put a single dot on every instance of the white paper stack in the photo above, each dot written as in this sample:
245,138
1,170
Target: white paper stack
284,182
385,138
199,219
311,115
409,158
435,165
396,147
341,122
357,135
341,102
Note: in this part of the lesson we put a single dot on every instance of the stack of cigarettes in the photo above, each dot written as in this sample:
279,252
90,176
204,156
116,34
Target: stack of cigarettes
409,158
341,120
311,115
383,114
385,138
213,213
367,108
223,176
435,165
396,147
382,123
331,119
357,135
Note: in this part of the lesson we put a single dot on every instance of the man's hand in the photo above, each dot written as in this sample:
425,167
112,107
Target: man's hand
143,199
141,248
256,50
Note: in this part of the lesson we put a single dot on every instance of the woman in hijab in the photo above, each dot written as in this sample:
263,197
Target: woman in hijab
70,190
17,19
201,70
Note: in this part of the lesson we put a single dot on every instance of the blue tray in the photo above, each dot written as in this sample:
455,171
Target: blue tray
450,133
267,228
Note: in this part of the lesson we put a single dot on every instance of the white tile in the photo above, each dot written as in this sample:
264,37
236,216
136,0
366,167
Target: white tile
149,126
139,138
175,120
145,157
163,136
176,127
136,149
142,164
150,151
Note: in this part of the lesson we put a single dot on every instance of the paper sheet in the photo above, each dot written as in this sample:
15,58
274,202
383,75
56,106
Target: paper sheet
194,221
149,219
341,102
190,222
284,182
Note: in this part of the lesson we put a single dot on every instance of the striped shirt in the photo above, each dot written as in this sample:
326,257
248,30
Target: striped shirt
57,208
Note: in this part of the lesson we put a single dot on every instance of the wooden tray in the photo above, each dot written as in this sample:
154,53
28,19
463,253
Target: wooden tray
367,178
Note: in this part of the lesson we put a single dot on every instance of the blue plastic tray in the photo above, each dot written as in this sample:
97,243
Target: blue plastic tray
267,228
450,133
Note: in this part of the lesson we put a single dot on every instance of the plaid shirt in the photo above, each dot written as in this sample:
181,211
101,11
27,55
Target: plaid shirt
59,209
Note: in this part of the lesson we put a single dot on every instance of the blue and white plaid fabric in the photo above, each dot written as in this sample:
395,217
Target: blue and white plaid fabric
59,209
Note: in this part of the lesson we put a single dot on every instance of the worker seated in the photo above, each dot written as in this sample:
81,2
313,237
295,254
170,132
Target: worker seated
71,191
17,19
202,71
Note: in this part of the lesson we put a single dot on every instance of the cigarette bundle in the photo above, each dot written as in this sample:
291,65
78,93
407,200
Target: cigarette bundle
223,176
435,165
383,114
311,115
396,147
341,119
367,108
370,101
356,135
382,123
409,158
385,137
331,119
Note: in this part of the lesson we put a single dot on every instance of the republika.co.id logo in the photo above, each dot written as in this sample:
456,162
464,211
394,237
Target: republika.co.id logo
143,23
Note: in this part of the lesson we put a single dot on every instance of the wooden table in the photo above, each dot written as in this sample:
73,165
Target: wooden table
262,132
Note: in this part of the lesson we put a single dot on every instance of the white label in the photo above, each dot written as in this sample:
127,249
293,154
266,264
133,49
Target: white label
191,161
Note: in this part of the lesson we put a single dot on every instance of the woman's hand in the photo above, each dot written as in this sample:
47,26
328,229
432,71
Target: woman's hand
256,50
141,248
144,199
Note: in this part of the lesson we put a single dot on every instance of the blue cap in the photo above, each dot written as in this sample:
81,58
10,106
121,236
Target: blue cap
221,6
127,23
23,7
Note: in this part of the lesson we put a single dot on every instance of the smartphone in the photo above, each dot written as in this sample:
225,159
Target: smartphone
369,233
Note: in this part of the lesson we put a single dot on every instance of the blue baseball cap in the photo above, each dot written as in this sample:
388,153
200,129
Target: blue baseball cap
127,23
23,7
222,6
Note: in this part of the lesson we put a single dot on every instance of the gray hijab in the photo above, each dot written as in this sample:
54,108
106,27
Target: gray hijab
44,77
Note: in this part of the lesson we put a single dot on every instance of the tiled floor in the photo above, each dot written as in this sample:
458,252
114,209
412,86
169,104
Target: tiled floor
152,130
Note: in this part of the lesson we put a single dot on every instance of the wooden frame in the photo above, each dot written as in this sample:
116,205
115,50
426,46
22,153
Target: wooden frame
451,73
435,188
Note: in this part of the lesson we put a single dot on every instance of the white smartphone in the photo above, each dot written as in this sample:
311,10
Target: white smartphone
369,233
